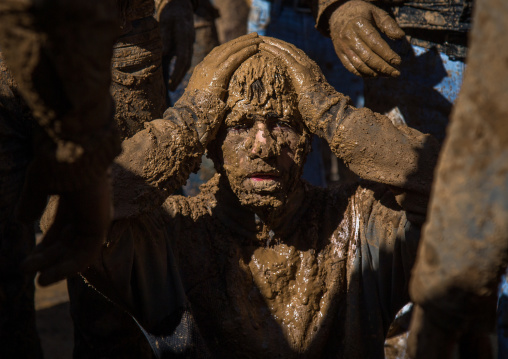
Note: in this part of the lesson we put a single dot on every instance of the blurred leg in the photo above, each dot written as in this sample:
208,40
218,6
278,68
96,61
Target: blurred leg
18,335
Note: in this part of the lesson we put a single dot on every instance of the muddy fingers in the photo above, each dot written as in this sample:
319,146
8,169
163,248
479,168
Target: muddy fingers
286,47
232,63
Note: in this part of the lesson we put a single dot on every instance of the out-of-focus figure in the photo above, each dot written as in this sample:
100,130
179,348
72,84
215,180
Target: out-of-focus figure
464,250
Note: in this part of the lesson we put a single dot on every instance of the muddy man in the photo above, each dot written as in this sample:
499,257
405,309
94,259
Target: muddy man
260,264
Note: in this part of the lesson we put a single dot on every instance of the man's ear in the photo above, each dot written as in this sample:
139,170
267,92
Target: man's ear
214,152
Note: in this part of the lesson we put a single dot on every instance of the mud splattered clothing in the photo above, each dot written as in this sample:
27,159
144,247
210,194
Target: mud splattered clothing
324,283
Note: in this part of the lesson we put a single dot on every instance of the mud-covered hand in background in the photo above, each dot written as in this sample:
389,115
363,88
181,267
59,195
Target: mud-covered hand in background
209,82
176,19
315,94
354,29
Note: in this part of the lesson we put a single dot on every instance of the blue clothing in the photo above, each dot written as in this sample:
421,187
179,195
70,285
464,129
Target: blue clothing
502,318
423,95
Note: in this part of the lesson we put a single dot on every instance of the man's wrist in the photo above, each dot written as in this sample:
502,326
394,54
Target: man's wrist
207,109
324,13
322,112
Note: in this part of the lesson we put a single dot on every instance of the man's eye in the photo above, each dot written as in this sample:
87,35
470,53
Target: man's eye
282,126
238,128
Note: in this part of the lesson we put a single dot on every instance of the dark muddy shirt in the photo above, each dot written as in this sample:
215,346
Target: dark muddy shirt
324,284
329,282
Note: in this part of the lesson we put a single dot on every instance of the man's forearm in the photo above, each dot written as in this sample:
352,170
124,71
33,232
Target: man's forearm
155,162
368,142
376,150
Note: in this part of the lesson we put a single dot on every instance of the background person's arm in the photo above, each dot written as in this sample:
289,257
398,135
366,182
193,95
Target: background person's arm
59,54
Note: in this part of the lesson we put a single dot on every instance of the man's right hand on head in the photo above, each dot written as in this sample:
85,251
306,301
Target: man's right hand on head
209,82
215,71
354,29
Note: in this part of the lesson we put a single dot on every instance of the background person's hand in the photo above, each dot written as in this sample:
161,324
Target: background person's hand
354,29
176,19
79,223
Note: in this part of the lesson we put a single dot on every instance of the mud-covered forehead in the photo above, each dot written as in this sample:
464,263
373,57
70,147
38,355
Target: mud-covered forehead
262,81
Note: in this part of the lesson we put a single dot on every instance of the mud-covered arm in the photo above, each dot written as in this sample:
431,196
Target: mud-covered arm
322,10
464,249
160,158
376,150
368,143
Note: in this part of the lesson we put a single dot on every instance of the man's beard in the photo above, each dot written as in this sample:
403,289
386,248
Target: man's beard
261,202
265,203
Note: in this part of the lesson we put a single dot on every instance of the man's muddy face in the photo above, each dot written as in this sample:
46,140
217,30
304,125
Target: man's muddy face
263,153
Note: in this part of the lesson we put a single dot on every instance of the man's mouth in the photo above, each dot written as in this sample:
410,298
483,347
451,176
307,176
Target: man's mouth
257,177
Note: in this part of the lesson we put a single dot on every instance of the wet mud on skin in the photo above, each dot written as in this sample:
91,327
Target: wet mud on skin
267,269
278,259
281,287
262,135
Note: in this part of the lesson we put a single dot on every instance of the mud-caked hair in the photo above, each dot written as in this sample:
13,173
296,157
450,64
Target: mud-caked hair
262,81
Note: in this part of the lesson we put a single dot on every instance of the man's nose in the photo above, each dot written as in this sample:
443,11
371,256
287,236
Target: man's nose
263,143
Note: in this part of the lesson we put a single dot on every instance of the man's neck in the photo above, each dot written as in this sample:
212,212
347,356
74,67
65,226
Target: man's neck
255,220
